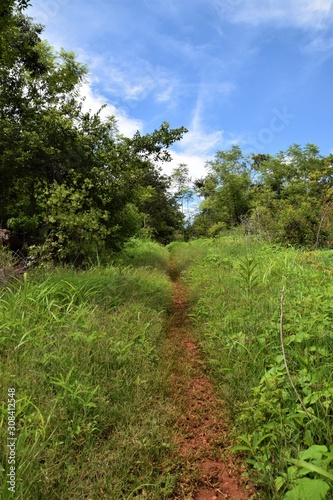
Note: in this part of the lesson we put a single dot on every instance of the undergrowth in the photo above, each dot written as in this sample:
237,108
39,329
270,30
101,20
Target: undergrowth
235,287
82,351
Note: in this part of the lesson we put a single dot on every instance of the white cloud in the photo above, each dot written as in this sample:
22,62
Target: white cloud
199,145
200,140
94,101
300,13
134,80
122,82
195,162
320,45
168,91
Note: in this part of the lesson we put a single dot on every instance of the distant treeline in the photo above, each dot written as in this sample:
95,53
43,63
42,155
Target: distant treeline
287,197
72,187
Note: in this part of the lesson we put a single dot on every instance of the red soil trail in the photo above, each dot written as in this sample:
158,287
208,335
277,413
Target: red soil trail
208,471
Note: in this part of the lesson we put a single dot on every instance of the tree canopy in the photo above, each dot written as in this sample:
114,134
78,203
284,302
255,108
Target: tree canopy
69,181
287,197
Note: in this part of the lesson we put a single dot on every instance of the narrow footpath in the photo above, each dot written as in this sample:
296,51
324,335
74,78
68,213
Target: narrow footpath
208,469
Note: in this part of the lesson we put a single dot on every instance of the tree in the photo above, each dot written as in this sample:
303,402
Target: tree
288,197
226,189
295,190
181,182
54,155
38,109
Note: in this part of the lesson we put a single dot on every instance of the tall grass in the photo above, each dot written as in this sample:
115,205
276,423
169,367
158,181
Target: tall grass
236,286
82,350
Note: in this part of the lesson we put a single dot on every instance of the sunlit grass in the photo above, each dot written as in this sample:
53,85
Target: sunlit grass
235,285
82,350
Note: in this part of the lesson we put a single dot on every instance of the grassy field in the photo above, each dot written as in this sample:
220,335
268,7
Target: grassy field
86,355
82,351
250,302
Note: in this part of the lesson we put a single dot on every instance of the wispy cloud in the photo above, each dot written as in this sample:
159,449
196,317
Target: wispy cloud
94,101
134,79
200,138
200,143
321,43
300,13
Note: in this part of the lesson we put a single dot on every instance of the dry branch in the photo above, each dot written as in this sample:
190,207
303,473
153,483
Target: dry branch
284,354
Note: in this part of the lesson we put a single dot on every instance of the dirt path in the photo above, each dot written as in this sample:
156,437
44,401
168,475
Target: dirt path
208,470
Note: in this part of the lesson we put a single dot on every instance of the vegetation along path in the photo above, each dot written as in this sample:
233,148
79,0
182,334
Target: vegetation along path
208,471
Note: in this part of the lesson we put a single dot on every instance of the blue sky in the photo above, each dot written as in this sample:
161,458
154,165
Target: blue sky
257,73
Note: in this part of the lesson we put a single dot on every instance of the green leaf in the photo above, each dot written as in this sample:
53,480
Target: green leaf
279,482
308,489
245,439
238,448
312,468
256,441
314,452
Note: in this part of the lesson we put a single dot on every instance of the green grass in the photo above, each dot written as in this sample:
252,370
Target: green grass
235,287
144,253
82,350
86,354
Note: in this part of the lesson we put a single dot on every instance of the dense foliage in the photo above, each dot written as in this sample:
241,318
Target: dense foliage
287,197
69,181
